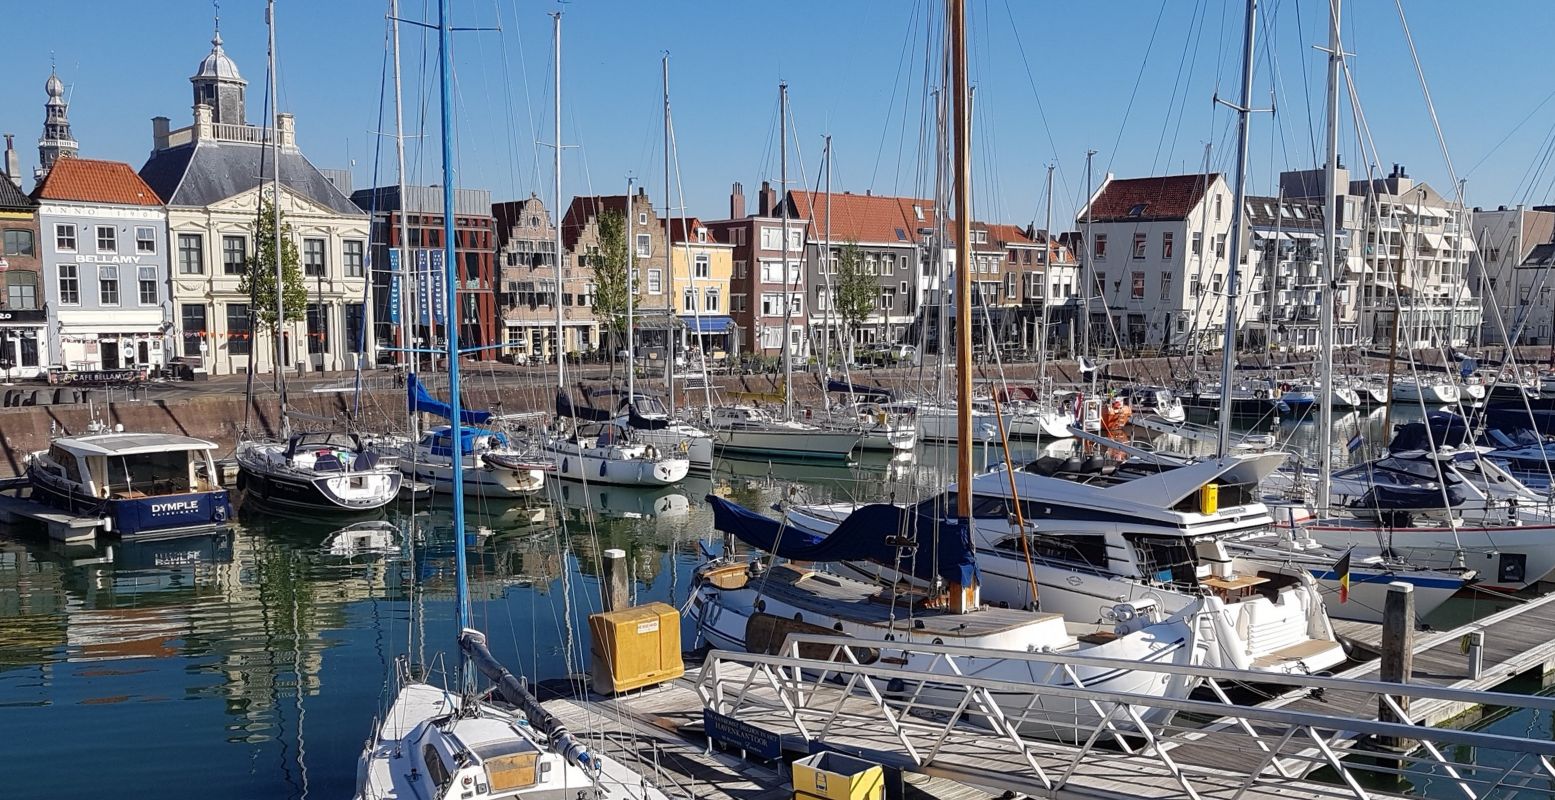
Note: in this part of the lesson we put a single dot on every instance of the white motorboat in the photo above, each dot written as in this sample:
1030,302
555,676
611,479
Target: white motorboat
1425,389
750,430
1101,532
368,538
608,453
140,484
325,471
1153,401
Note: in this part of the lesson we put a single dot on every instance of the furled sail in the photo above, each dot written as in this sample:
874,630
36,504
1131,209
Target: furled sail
419,399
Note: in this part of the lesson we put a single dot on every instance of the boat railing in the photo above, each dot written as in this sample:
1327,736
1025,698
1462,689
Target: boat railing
1316,737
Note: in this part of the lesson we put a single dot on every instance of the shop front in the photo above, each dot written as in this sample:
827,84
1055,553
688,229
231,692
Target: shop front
23,346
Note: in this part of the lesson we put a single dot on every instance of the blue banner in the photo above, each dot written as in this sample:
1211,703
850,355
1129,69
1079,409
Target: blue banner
394,287
423,287
439,282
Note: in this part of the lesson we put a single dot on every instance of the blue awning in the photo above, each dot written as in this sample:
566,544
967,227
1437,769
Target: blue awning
707,324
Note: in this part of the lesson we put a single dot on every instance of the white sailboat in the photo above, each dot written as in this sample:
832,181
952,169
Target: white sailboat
453,744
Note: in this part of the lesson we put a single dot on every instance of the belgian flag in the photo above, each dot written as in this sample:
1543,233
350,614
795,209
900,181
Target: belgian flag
1342,570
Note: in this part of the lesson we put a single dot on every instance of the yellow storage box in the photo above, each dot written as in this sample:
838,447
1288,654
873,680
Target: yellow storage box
1209,498
834,776
635,647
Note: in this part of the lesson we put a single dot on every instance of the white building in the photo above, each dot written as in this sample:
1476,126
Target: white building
212,175
1515,289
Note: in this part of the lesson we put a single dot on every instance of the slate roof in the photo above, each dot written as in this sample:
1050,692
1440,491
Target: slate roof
584,208
88,180
12,198
1263,214
1154,199
207,172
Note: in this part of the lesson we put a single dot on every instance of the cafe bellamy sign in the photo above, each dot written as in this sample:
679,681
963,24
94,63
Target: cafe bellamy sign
95,259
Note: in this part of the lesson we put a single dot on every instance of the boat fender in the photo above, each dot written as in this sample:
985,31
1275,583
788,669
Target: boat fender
602,468
651,452
564,465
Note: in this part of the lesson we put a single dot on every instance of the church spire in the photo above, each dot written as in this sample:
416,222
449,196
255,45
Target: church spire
218,84
56,140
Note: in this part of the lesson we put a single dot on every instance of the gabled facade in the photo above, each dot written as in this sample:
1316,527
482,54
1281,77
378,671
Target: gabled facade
703,268
105,267
768,286
526,262
654,316
212,175
886,232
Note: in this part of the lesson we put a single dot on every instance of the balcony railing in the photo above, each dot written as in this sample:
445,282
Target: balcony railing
228,132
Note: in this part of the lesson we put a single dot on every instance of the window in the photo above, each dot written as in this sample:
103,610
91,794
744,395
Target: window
64,237
1141,241
699,267
1217,282
772,304
69,285
29,351
108,285
642,218
355,258
737,302
1218,202
1196,288
1166,246
772,272
711,300
145,239
313,258
191,254
18,242
21,290
1220,246
1198,244
689,300
740,268
192,316
318,329
107,239
772,238
234,255
655,281
644,245
237,329
887,299
1100,247
1166,286
1136,290
1009,285
148,286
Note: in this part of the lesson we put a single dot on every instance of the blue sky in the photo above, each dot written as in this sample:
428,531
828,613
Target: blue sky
1132,79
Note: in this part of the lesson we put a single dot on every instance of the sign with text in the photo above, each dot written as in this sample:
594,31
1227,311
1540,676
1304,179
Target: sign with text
394,287
743,735
439,275
423,287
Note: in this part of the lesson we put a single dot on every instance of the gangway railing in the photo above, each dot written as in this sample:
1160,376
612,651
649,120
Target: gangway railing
934,709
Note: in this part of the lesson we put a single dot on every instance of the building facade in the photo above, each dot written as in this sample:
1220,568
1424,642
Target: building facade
1515,291
703,270
213,175
23,312
408,291
526,262
105,259
654,317
1284,278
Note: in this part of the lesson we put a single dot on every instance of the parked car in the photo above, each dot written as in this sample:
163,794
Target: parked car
887,355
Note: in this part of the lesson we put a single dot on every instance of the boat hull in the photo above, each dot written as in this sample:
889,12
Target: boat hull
161,515
1507,557
786,443
585,465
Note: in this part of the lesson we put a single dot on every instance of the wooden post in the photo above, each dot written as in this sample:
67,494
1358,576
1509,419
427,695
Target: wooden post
1398,644
616,588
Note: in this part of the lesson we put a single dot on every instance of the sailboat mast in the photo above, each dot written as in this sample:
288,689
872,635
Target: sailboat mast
631,289
825,261
1238,227
556,299
1269,288
1325,340
401,275
788,300
451,265
1087,249
669,258
964,598
280,261
1047,269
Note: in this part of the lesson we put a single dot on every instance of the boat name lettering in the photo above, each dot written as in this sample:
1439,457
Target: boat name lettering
176,507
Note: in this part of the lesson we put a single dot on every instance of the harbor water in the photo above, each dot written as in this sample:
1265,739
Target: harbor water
252,663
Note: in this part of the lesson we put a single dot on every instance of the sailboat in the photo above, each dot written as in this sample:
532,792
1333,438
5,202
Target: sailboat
587,446
751,606
494,466
328,471
439,743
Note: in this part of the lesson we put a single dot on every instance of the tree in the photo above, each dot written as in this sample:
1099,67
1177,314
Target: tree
259,281
856,291
611,283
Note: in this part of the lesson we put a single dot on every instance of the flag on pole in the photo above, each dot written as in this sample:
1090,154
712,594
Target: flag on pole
1342,571
1355,442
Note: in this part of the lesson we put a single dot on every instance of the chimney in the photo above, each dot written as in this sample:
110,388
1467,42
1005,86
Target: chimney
13,167
286,130
737,201
768,201
160,127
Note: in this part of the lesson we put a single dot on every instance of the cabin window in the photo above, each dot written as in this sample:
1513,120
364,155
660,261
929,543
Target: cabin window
435,768
1090,551
67,461
149,473
1166,559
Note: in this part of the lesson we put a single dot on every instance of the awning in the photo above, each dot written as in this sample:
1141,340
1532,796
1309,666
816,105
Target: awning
1434,241
654,322
1301,235
708,324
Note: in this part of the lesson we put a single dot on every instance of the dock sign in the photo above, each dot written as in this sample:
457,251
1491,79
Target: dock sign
734,733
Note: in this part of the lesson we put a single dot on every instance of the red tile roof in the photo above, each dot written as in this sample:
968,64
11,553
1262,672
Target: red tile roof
1005,235
864,218
1167,197
583,209
679,226
88,180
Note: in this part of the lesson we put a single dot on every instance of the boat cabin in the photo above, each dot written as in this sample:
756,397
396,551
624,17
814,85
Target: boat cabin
131,465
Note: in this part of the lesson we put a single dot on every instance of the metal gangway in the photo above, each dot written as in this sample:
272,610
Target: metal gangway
1060,738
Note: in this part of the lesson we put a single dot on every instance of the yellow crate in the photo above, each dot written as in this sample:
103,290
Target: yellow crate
635,647
834,776
1209,498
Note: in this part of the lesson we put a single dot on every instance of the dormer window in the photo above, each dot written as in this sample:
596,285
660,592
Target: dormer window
1137,210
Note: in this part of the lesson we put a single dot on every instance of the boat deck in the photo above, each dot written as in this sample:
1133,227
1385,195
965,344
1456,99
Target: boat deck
856,602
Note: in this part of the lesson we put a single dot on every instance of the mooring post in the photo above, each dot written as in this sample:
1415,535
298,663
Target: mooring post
1398,651
1474,646
616,588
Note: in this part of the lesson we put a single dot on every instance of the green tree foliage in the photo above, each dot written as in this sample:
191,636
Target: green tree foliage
857,291
259,280
611,283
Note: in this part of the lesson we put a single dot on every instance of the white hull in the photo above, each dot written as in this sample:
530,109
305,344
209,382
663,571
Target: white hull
698,449
939,425
480,480
621,466
795,443
1506,557
1428,393
1344,397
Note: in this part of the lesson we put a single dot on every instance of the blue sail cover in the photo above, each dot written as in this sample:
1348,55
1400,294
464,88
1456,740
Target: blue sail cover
872,533
419,399
1516,418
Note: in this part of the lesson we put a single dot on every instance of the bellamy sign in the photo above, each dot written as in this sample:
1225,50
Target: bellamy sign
94,259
